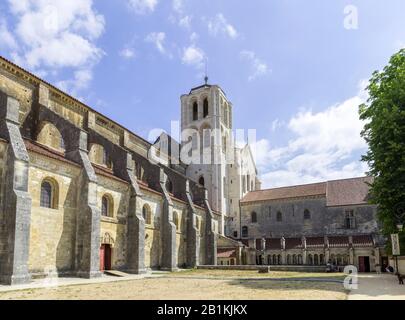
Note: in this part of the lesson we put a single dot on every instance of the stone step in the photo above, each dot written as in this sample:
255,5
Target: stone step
116,273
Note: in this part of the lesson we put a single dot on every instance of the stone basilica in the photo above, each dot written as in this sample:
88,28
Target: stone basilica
79,194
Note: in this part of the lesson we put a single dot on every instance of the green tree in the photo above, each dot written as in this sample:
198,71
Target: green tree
384,131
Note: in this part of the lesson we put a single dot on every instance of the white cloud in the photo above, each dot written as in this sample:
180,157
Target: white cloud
143,6
259,67
326,145
219,24
178,5
158,39
58,34
194,56
276,124
185,22
6,37
127,53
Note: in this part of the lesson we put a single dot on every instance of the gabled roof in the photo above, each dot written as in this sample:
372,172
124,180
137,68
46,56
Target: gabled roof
344,192
314,189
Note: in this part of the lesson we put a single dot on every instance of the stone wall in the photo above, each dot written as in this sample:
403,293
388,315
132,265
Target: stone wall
66,238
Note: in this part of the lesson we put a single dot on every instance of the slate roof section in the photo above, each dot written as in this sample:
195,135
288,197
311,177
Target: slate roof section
337,193
293,243
273,243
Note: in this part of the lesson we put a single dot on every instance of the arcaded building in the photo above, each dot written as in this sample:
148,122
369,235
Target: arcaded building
311,225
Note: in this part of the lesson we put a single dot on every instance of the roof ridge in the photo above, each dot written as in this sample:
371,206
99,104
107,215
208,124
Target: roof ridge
293,186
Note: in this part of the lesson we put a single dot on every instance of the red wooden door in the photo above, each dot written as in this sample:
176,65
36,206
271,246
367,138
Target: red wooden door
102,255
362,265
107,257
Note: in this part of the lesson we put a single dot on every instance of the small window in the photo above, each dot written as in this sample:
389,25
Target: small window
47,195
201,181
350,221
279,216
176,220
307,214
147,214
195,111
106,206
205,108
254,217
245,231
235,234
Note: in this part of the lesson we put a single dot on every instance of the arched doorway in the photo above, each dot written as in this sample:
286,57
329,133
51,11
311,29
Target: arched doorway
107,244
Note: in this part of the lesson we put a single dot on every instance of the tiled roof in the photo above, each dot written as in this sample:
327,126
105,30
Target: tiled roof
273,243
286,192
347,192
314,242
45,151
293,243
342,241
226,253
363,241
338,193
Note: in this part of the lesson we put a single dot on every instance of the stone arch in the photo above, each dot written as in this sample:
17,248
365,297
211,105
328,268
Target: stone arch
50,136
99,155
107,239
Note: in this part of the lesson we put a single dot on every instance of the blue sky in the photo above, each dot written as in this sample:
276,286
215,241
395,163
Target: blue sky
294,70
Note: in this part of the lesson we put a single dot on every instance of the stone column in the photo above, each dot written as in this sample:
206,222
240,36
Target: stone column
193,239
210,236
17,201
88,215
168,229
135,224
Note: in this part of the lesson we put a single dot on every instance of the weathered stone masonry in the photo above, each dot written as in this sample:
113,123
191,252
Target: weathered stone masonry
48,136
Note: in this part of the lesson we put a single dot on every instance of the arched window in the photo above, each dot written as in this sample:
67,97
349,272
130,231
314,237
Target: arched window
307,214
176,220
316,259
201,181
279,216
288,259
147,214
310,260
279,259
205,111
107,206
294,259
48,198
245,231
321,259
195,111
299,259
254,217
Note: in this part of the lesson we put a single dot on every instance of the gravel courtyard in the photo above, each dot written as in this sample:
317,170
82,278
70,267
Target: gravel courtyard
199,285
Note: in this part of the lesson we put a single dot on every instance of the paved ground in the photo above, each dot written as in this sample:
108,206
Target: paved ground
212,285
378,287
196,286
